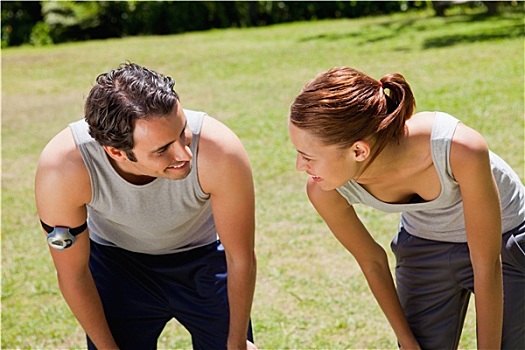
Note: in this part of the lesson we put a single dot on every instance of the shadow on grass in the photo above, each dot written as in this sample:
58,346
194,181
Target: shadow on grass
380,32
507,25
508,32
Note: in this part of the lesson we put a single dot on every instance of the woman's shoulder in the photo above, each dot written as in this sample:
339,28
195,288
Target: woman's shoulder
419,128
421,122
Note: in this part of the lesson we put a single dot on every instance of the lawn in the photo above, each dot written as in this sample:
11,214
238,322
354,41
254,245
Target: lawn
310,292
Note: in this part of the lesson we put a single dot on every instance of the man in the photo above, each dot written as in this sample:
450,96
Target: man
149,211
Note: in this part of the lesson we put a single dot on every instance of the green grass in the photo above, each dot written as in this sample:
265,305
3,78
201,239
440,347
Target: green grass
310,292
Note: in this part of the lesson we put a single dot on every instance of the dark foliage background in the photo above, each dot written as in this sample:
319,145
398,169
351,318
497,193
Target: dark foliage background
48,22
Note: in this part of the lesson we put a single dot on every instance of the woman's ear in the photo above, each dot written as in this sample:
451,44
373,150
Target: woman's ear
361,150
116,154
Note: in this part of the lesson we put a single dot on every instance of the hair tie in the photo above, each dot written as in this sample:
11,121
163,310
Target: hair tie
381,88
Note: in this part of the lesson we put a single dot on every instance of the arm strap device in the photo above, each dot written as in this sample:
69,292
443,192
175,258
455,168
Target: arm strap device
60,237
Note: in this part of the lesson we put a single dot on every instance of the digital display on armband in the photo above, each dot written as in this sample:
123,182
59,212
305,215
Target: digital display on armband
60,238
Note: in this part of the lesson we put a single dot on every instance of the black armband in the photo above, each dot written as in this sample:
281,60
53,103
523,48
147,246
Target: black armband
60,237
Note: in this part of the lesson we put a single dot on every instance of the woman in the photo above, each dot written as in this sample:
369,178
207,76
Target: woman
463,207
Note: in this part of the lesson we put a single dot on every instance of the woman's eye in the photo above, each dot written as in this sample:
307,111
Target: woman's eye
306,159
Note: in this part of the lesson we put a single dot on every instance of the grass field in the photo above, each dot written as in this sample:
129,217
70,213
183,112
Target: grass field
310,292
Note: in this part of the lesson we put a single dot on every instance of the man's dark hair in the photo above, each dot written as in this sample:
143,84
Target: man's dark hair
122,96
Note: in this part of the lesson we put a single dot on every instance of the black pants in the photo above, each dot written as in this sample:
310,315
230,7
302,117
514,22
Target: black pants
434,282
142,292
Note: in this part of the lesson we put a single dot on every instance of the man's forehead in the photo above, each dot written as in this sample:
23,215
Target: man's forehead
157,131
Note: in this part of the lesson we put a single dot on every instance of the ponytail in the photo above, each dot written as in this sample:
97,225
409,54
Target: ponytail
400,106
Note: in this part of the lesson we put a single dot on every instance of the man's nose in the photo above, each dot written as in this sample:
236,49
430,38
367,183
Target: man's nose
181,151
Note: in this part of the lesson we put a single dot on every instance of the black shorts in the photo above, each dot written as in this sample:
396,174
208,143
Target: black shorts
141,293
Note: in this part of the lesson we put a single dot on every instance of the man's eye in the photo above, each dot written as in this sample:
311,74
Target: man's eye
306,159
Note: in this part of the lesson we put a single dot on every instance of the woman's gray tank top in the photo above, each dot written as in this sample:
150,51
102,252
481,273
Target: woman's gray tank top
442,219
161,217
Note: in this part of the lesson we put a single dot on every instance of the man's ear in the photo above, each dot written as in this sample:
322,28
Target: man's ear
116,154
361,150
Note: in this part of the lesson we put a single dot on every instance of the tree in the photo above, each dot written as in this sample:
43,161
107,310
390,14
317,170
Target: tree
18,19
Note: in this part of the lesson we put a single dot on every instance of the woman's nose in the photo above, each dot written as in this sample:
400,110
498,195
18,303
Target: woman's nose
300,164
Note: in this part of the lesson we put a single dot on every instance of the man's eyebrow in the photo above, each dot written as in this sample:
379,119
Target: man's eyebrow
164,147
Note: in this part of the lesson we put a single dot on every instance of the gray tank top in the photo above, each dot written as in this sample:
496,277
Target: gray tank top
161,217
442,219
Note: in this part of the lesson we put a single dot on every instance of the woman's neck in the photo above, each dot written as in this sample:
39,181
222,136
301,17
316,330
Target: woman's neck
390,162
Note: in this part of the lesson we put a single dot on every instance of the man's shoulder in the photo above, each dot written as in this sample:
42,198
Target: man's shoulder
221,154
61,155
62,182
218,137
